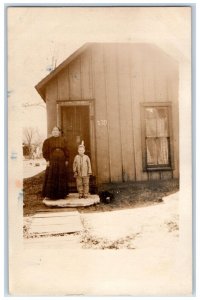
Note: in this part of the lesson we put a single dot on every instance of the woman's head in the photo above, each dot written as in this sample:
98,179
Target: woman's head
56,131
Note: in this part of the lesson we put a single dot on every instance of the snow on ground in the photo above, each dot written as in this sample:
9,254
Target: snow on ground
152,226
32,167
153,264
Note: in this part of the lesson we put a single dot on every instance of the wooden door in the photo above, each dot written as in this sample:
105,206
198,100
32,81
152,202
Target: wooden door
76,128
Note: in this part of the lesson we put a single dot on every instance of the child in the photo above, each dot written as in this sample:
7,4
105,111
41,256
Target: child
82,171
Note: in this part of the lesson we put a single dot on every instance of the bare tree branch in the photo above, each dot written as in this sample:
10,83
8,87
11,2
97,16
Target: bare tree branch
32,139
28,136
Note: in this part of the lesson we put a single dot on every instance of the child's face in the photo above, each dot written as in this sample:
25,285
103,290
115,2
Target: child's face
81,150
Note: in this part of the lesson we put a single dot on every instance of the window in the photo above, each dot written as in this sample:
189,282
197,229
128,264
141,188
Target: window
156,136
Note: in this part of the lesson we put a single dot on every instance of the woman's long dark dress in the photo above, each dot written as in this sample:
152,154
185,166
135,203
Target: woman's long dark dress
56,153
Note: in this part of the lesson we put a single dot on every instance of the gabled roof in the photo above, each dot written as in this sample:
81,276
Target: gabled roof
40,87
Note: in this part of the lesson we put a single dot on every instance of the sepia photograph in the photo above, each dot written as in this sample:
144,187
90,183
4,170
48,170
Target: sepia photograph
99,150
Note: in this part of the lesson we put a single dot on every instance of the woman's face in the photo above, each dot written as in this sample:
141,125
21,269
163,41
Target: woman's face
55,132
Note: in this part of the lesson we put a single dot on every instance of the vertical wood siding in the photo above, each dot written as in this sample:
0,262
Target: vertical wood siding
63,85
102,140
51,95
160,72
126,113
75,80
137,90
119,77
86,80
113,114
148,74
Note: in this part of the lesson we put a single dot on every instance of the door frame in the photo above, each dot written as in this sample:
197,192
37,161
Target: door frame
90,103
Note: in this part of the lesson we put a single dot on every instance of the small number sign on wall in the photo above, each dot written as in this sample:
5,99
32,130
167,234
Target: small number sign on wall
102,122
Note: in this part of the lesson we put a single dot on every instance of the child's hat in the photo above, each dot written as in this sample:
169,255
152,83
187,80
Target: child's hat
82,145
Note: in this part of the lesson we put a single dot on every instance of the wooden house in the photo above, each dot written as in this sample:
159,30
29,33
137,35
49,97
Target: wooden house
122,100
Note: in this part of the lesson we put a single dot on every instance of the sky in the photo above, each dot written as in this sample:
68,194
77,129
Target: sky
36,35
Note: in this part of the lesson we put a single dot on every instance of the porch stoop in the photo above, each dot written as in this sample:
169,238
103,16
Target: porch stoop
73,200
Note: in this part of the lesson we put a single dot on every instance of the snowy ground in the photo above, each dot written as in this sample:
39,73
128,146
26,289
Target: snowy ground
31,167
134,251
141,257
139,228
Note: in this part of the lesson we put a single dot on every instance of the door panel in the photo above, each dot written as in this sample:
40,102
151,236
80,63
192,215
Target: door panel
75,125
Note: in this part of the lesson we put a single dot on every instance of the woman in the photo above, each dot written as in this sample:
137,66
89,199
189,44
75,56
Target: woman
56,154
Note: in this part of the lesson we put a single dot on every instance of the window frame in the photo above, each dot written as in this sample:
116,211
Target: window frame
143,137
